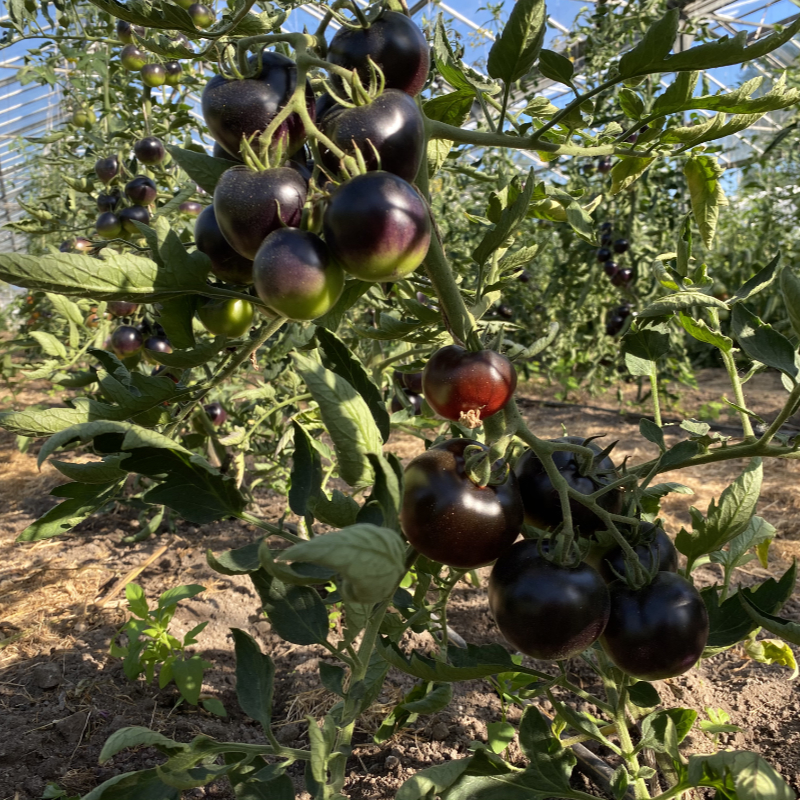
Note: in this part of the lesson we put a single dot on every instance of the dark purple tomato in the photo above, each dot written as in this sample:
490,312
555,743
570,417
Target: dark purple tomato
606,240
610,268
77,245
506,312
653,547
122,308
294,274
125,31
324,104
614,325
394,43
451,520
108,201
149,150
389,132
523,277
226,263
141,190
247,205
132,58
302,162
236,108
468,386
545,610
409,380
606,226
541,499
220,152
625,310
201,15
190,208
414,399
156,344
633,138
106,169
658,631
173,72
378,227
153,75
621,246
131,215
604,254
216,413
126,341
108,225
604,165
231,318
622,277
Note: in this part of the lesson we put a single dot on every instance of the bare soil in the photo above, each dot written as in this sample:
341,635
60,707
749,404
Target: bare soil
62,695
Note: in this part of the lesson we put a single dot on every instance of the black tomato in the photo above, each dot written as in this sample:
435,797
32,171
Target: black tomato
149,150
625,310
247,205
389,132
545,610
131,215
606,240
622,277
232,318
141,190
506,312
77,245
653,547
523,277
216,413
156,344
108,201
125,30
236,108
153,75
226,263
451,520
190,208
108,225
126,341
106,169
173,72
323,105
658,631
614,325
394,43
463,385
604,254
604,165
542,503
201,15
409,380
621,246
294,274
121,308
610,268
414,399
302,163
606,226
132,58
377,227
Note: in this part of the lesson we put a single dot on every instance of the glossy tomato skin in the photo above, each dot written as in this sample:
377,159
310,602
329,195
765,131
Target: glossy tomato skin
132,58
216,413
149,150
126,341
377,227
107,169
108,201
658,631
394,43
202,15
414,399
125,31
108,225
246,205
236,108
132,214
295,275
190,208
173,72
232,318
220,152
542,503
141,190
545,610
409,380
622,277
457,381
154,75
655,549
121,308
226,263
448,518
156,344
390,125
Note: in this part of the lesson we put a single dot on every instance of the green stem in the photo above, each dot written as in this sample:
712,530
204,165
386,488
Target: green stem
504,106
628,749
654,393
786,412
272,530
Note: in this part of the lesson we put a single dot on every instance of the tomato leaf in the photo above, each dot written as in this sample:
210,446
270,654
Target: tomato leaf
763,343
705,188
644,695
241,561
255,674
790,289
627,171
743,775
556,67
653,47
306,475
514,51
203,169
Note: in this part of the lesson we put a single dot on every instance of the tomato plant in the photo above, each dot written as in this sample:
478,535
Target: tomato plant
405,268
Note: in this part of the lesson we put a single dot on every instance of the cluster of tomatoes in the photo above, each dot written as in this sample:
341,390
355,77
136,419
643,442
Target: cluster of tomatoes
275,227
547,609
134,59
609,248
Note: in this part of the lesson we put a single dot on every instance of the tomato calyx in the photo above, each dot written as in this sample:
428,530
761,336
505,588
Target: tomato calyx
483,467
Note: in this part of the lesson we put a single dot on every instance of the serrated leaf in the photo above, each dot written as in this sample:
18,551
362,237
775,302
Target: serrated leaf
698,329
760,281
680,301
513,53
762,342
707,195
627,171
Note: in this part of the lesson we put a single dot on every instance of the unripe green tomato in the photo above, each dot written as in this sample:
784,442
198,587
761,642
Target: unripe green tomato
153,75
201,15
83,118
232,318
132,58
173,73
185,3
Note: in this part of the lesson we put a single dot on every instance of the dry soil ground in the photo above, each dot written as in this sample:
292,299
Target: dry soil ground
61,693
